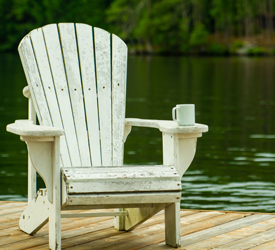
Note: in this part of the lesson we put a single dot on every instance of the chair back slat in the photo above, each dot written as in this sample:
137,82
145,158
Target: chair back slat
55,56
23,49
70,55
32,74
119,61
103,74
85,42
42,61
77,78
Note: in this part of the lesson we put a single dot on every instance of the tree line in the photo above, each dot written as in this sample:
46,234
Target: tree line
152,26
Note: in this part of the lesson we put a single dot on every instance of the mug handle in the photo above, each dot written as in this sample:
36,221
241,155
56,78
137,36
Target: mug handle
174,113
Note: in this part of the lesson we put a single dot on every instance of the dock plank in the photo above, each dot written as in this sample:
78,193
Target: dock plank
200,230
72,228
232,236
225,228
251,241
209,223
266,246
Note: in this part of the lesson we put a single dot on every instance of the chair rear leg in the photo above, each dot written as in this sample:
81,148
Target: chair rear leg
172,225
32,187
55,226
119,222
36,214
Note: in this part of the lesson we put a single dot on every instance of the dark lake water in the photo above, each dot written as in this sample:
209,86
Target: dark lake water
235,161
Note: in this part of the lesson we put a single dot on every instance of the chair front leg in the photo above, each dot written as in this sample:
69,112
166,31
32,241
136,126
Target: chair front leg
55,207
45,158
172,225
179,151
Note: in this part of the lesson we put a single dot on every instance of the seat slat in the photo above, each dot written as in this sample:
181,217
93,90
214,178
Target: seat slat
119,66
119,169
114,176
103,74
49,89
114,179
53,45
85,42
122,175
70,55
120,199
123,186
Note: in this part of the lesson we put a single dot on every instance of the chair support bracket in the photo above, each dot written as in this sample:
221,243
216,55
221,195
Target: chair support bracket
41,155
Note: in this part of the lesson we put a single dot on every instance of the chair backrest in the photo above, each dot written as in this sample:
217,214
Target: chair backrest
77,79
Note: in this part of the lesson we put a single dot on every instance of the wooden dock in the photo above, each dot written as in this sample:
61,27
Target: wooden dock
200,230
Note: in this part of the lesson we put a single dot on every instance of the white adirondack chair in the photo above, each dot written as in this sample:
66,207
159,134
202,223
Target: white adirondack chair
76,78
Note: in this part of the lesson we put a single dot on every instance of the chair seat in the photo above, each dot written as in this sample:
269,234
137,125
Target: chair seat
126,179
120,185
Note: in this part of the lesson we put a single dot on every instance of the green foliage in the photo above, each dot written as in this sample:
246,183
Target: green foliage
256,51
216,49
166,26
184,36
272,52
18,17
198,37
236,45
122,15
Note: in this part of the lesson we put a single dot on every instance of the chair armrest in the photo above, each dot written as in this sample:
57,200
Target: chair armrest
45,156
166,126
179,142
27,128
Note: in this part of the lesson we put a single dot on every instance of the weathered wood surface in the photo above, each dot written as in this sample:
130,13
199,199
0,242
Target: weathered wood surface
167,126
199,230
121,179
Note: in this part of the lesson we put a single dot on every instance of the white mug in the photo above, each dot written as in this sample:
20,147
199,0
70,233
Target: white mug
184,114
